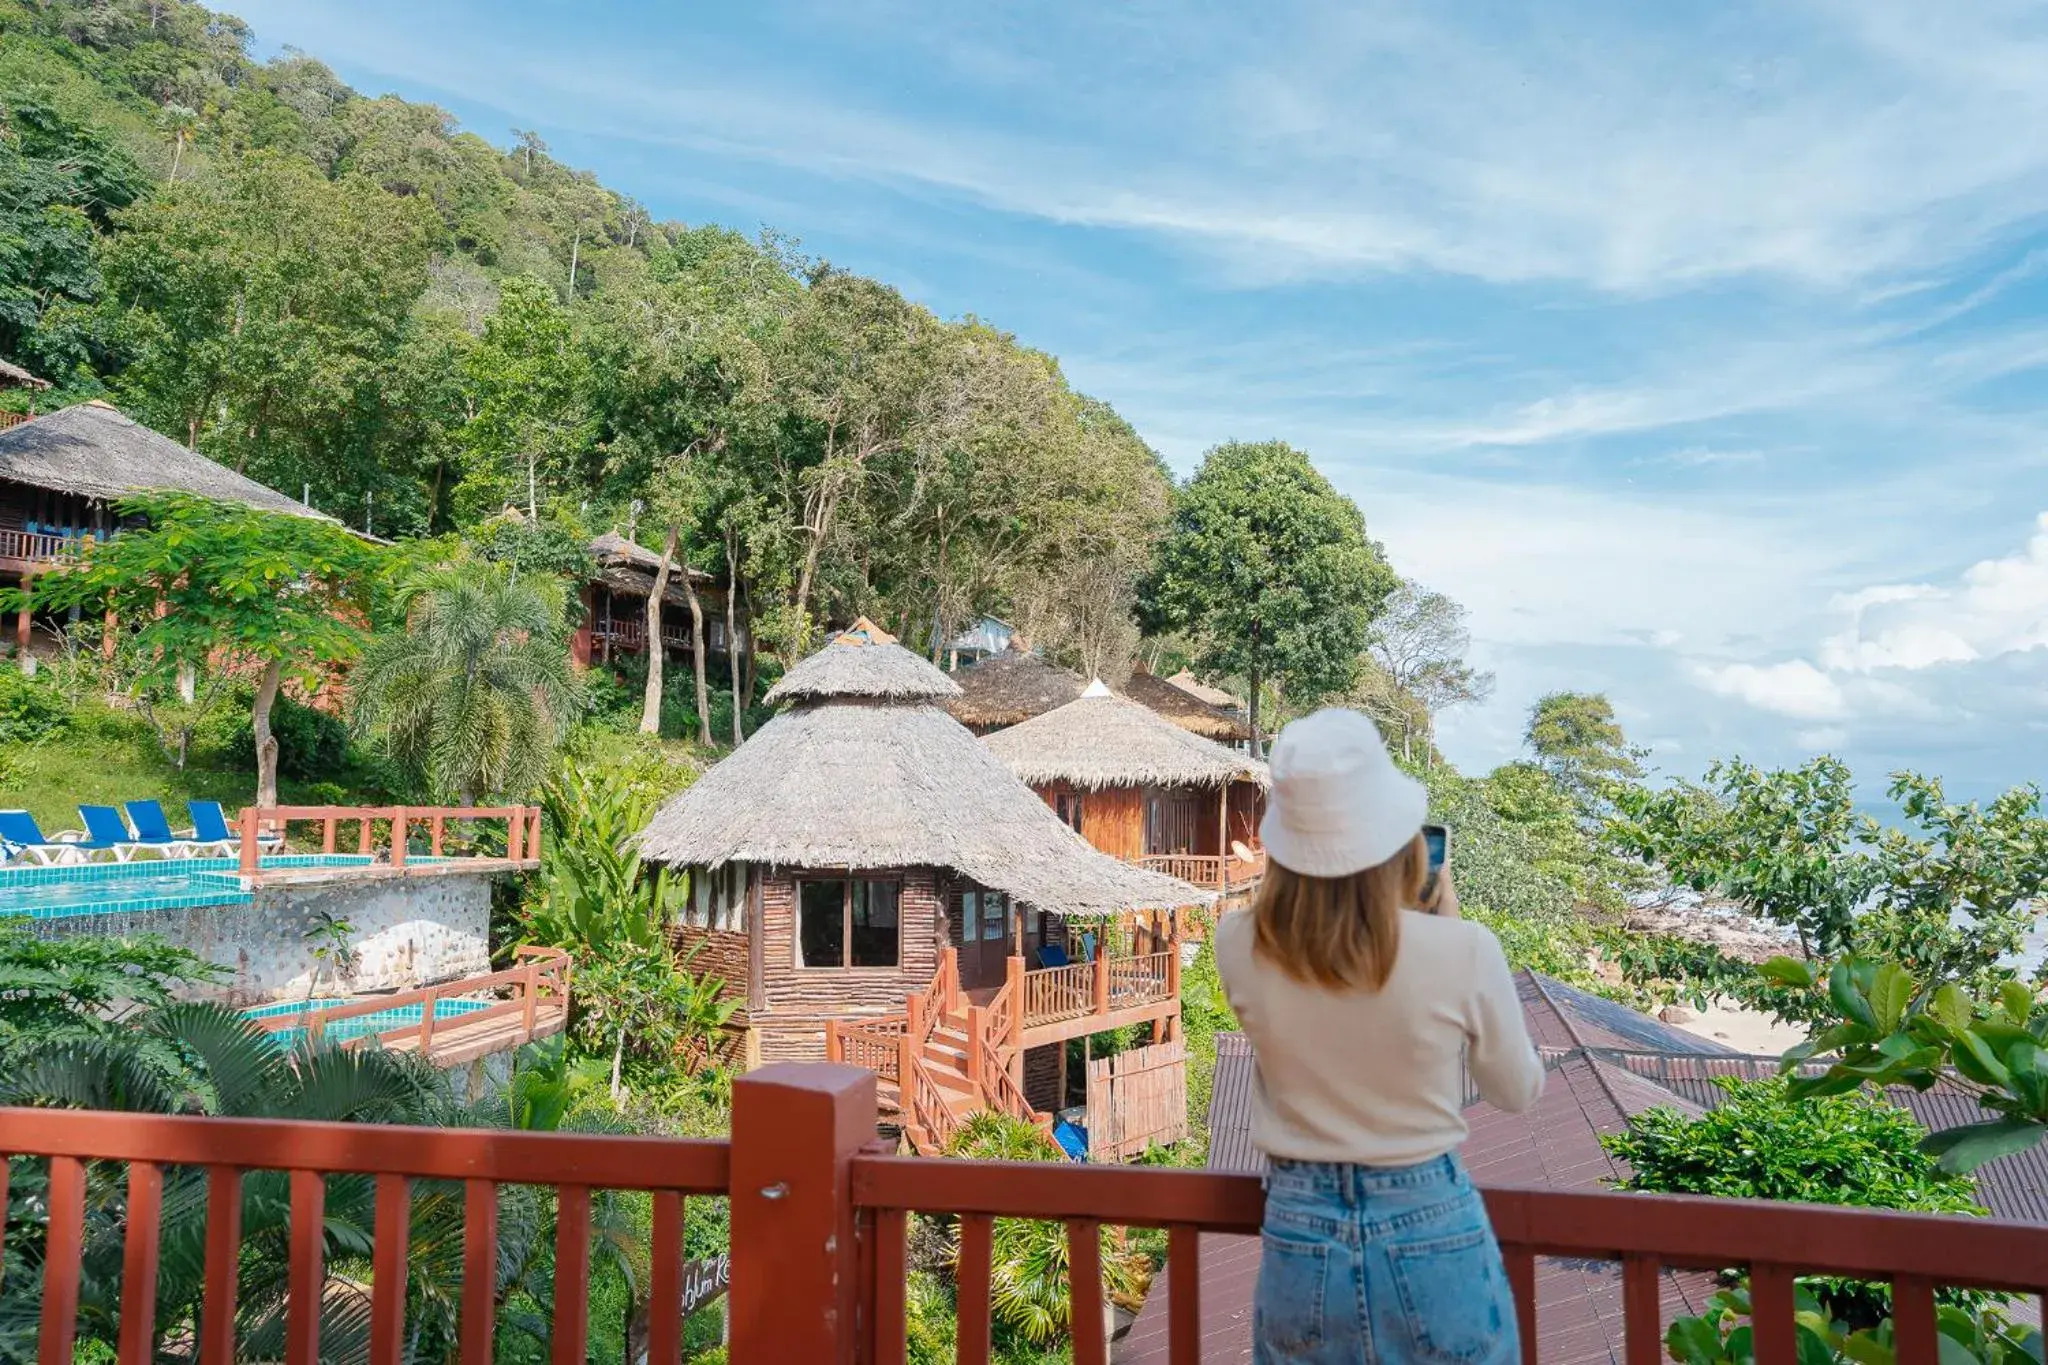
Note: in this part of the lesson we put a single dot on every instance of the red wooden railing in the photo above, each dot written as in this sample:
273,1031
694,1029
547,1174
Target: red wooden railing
1052,994
537,987
386,831
36,547
1207,869
819,1220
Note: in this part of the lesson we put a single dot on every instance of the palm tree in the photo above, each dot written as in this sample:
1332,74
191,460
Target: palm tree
476,691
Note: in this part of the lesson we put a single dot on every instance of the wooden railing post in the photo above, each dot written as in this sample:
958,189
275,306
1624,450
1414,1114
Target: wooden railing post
327,835
427,1020
398,835
440,827
951,969
1173,958
533,834
1015,985
364,842
796,1280
1102,980
515,835
835,1050
248,863
530,988
977,1027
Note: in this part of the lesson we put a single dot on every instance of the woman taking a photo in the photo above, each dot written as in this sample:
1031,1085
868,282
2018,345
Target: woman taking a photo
1367,1009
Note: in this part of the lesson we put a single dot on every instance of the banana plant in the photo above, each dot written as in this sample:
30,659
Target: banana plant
1889,1029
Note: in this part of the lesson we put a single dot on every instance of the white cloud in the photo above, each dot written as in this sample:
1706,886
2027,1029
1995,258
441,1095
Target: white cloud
1793,688
1821,738
1998,606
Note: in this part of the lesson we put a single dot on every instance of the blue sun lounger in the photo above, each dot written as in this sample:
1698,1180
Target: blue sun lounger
210,830
21,838
107,832
153,830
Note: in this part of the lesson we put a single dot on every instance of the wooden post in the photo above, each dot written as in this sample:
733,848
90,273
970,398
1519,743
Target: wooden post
1014,972
515,834
363,841
533,834
327,835
531,986
398,834
440,828
316,1026
976,1025
796,1260
22,625
1173,957
1102,980
1223,841
247,819
427,1020
835,1050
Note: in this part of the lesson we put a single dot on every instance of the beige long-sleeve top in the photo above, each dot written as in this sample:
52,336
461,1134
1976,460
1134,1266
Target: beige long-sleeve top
1376,1077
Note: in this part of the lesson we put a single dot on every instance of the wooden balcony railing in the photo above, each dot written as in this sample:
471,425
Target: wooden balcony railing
1207,870
819,1251
535,1005
386,832
37,547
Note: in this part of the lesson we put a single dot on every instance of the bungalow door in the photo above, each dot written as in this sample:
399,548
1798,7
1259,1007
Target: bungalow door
988,921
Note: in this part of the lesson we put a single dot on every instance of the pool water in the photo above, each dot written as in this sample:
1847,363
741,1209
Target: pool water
144,885
363,1025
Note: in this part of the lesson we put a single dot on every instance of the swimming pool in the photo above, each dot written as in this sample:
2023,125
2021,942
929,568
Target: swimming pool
152,884
362,1025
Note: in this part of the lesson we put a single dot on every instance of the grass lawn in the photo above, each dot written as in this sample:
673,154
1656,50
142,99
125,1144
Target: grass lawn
107,762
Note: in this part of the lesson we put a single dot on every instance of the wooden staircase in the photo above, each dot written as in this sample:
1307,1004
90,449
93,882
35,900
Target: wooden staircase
940,1062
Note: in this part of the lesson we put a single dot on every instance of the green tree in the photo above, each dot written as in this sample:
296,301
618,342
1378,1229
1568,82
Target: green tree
529,378
1415,667
226,591
1575,736
475,691
1268,570
1948,894
260,311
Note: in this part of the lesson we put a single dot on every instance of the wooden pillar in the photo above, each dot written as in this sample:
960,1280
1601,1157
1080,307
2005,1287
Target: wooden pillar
1102,980
398,836
795,1291
1223,840
22,625
248,861
977,1023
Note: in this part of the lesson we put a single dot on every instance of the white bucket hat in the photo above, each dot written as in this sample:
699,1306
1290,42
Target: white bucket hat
1338,804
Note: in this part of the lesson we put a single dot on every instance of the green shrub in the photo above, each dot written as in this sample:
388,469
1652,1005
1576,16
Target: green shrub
310,743
1761,1143
30,708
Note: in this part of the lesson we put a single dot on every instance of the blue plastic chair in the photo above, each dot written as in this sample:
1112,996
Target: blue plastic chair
21,837
153,830
1072,1140
1053,955
210,829
107,832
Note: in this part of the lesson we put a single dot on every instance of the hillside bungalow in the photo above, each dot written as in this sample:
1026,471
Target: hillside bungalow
61,474
886,893
615,605
1011,687
1141,788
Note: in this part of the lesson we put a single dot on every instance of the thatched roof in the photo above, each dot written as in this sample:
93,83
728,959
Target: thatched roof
865,771
15,377
863,661
1186,711
1101,740
1202,692
1011,687
95,452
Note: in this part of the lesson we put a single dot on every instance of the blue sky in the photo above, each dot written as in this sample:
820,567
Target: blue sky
1697,349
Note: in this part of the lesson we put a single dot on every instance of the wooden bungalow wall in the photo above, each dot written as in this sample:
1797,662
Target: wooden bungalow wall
796,1001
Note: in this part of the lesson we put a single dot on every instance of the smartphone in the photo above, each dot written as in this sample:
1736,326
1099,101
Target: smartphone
1438,838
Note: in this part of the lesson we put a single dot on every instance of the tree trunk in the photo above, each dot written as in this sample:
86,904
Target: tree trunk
266,742
1258,740
178,152
650,706
732,641
618,1059
575,250
697,660
750,681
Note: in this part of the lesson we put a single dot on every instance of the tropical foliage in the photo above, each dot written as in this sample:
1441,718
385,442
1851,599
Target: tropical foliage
476,692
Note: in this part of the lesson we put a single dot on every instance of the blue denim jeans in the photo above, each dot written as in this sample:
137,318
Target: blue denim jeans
1372,1263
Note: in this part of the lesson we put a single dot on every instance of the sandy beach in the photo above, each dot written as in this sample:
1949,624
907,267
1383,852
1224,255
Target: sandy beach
1745,1030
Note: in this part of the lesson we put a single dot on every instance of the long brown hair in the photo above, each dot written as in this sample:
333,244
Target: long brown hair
1339,931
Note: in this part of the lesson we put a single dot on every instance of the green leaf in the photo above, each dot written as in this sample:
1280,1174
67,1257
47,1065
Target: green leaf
1853,1004
1787,971
1976,1060
2016,1000
1962,1150
1952,1007
1866,1349
1890,993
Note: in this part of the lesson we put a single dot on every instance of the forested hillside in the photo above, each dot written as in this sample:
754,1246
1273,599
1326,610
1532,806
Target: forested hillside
354,299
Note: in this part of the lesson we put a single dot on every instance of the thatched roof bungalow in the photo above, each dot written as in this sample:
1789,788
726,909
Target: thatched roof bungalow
615,604
1017,684
1139,787
841,849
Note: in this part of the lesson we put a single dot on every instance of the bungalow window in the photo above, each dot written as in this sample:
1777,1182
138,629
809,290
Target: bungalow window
995,916
718,899
849,922
1067,805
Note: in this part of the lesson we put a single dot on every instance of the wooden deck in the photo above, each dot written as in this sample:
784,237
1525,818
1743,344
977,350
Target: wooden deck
534,1004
